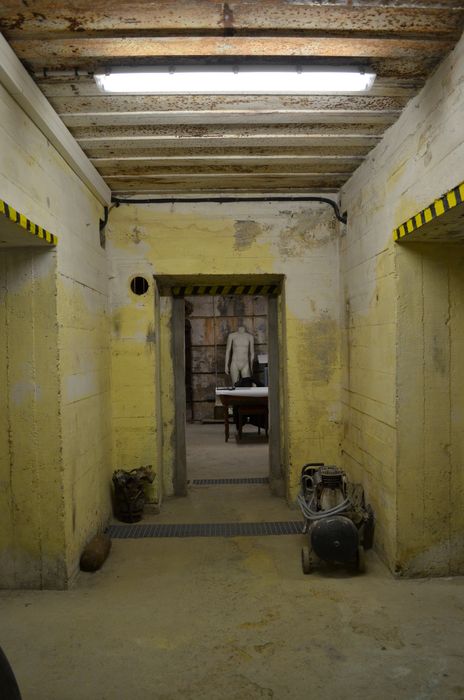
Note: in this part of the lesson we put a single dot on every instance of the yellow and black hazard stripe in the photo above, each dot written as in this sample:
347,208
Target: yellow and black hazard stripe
28,225
448,201
226,290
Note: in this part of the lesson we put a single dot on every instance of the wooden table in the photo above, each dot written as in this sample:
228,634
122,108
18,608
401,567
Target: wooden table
253,398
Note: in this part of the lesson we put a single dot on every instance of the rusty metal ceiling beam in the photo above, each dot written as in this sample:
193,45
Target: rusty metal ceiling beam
268,192
140,119
104,143
213,163
79,51
305,183
204,104
118,168
210,179
325,148
47,17
225,131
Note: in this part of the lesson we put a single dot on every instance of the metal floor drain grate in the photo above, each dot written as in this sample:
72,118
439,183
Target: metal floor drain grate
138,531
245,480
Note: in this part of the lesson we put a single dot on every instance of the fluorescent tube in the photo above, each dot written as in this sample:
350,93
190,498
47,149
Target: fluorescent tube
217,80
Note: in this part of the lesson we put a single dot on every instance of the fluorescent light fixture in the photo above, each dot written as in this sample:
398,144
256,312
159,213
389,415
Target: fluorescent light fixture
217,80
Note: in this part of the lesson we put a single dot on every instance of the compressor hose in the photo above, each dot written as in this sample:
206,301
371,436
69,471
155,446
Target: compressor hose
309,512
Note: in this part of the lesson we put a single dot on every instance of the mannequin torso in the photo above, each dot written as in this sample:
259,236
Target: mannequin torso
239,354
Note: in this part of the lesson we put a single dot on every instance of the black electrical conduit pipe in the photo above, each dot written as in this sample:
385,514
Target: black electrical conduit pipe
223,200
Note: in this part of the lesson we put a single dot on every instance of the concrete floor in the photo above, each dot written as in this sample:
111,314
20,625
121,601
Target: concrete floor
234,619
208,455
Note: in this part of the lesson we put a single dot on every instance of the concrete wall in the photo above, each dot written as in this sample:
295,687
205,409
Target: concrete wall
402,381
402,322
32,503
430,392
300,242
55,427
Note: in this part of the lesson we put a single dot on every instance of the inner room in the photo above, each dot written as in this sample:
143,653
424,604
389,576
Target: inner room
226,349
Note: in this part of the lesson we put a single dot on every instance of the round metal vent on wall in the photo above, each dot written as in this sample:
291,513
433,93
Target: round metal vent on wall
139,285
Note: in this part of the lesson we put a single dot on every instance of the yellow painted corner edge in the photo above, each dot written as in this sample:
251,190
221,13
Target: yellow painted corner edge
17,218
451,199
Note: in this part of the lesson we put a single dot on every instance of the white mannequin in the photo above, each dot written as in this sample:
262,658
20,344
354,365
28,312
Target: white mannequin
242,348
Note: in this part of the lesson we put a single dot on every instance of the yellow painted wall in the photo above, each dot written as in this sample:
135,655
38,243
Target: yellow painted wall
32,504
6,532
300,242
431,410
402,380
391,315
134,403
55,448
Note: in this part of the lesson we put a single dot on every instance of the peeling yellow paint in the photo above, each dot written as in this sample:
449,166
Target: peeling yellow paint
55,414
211,240
403,338
32,501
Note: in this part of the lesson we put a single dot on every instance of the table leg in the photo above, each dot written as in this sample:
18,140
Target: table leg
226,421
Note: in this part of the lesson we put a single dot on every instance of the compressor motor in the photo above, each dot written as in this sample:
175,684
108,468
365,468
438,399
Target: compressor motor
338,523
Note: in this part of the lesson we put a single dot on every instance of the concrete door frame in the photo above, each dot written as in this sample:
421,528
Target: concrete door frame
177,323
178,355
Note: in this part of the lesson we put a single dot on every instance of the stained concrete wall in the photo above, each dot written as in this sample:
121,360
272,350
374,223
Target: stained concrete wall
402,379
55,427
32,499
300,242
430,410
402,316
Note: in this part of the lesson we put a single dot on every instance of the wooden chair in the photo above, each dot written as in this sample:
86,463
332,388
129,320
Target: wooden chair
255,415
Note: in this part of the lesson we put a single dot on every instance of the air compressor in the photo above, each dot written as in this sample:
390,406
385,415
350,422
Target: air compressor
338,523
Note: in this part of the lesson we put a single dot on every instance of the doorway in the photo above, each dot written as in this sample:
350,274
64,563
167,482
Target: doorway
234,298
226,430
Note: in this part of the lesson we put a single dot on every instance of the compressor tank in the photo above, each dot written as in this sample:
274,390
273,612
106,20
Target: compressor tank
335,539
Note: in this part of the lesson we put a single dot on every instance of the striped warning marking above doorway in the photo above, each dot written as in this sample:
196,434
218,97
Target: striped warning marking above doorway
139,531
17,218
413,227
226,290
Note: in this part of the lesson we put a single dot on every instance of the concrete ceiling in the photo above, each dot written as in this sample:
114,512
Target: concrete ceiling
201,145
